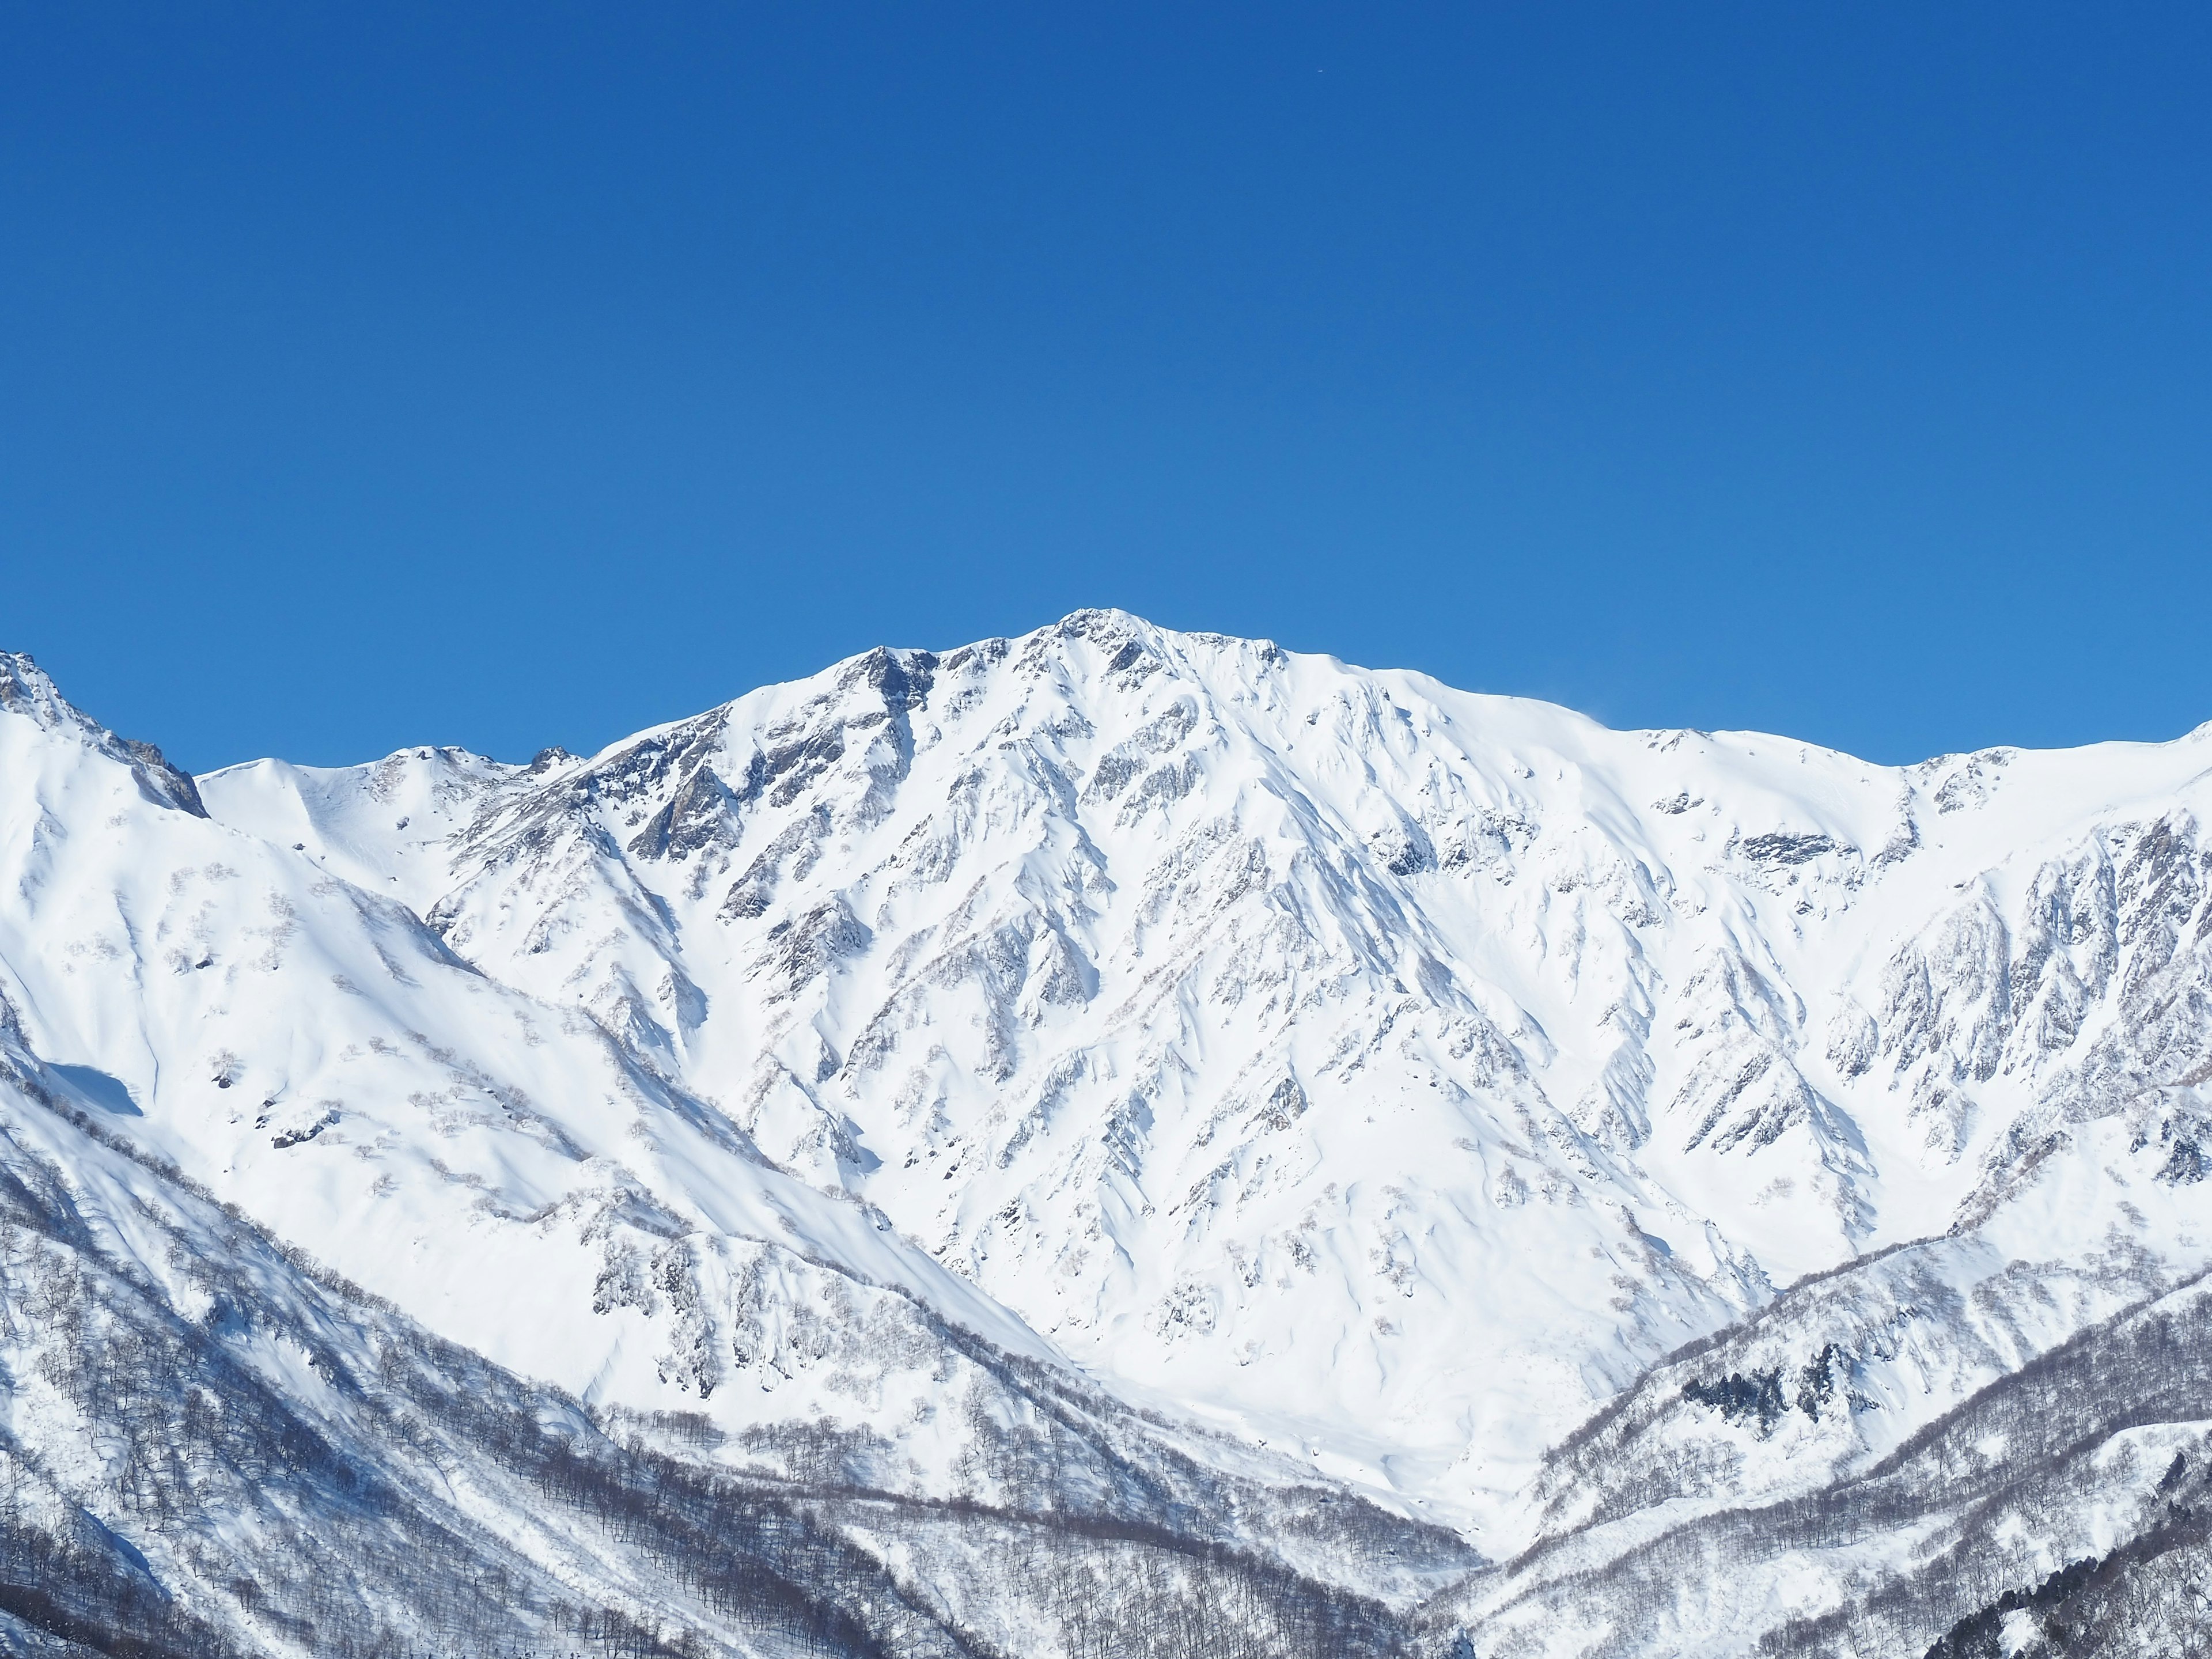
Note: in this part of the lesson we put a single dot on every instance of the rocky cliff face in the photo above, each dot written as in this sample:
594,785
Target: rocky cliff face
1368,1100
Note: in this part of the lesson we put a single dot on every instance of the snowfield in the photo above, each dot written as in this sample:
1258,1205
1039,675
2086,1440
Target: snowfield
1112,1141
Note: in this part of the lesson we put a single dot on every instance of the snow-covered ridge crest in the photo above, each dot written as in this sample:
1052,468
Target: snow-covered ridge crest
1233,1015
1387,1076
26,689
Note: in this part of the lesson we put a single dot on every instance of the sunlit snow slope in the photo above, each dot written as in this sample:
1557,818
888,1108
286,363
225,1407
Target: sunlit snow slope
1110,1141
1391,1072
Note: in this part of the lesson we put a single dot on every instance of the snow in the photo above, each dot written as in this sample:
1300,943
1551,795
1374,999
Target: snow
1386,1074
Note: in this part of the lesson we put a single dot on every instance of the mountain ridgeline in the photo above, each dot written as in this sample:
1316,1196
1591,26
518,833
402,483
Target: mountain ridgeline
1111,1142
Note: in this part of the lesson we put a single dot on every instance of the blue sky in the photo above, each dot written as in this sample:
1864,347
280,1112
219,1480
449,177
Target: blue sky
514,375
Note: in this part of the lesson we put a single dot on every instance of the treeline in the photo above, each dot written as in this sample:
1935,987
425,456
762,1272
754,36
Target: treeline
264,1514
2024,1472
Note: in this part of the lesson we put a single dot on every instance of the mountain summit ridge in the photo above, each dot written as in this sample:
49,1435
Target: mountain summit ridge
1357,1081
723,829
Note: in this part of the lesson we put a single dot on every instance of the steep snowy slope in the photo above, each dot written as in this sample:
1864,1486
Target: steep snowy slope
1079,1109
210,1449
509,1172
1396,1072
213,1445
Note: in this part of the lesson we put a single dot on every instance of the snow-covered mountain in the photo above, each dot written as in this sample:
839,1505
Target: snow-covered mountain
1148,1104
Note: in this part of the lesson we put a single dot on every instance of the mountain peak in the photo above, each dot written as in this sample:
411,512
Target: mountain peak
28,690
1357,1082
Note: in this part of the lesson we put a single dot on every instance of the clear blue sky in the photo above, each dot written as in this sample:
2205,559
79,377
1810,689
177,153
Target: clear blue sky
513,375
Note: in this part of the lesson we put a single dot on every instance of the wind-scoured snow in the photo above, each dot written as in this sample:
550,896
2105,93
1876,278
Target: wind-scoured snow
1363,1087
